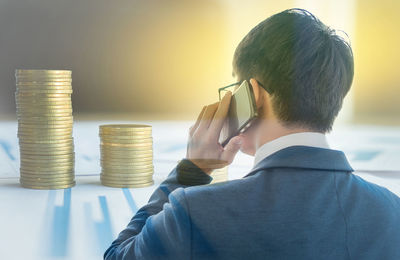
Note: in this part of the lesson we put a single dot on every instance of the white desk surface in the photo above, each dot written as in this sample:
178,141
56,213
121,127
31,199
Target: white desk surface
81,222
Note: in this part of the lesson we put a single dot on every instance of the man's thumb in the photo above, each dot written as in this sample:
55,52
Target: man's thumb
231,149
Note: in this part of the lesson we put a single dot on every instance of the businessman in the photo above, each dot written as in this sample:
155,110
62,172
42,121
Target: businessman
300,200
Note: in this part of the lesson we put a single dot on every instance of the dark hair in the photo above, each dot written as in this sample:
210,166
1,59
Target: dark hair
306,67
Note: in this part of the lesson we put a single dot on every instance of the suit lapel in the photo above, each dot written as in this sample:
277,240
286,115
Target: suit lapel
305,157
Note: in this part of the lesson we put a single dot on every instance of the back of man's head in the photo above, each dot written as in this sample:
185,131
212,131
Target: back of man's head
302,63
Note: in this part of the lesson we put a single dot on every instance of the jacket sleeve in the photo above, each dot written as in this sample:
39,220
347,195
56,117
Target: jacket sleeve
162,228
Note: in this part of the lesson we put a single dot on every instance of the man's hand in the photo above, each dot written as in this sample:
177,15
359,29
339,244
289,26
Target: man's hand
203,148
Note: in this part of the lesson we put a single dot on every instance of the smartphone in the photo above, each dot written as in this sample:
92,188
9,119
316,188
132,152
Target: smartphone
242,111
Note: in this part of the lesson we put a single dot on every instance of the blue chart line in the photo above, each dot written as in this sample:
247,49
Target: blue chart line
87,158
61,220
129,199
7,148
103,228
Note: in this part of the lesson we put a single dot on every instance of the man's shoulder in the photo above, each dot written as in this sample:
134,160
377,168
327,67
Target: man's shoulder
358,188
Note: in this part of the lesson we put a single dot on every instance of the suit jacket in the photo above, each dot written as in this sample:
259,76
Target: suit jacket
298,203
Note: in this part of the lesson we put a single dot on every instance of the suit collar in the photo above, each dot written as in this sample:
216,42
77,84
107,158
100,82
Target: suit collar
305,157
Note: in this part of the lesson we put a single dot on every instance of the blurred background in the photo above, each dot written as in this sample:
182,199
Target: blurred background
160,59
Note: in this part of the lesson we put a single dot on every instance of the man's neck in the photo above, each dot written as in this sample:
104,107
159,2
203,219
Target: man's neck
271,130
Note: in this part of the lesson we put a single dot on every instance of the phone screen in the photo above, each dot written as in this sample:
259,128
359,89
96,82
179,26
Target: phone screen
242,111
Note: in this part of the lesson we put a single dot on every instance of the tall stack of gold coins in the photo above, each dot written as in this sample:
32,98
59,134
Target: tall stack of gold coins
126,153
219,175
44,112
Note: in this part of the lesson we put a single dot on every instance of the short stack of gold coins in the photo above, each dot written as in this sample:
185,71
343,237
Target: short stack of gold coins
219,175
126,152
44,112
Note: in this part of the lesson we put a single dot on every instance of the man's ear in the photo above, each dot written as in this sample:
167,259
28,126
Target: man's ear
257,92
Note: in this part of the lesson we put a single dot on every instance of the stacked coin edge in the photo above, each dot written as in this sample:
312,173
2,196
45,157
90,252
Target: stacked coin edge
44,111
126,155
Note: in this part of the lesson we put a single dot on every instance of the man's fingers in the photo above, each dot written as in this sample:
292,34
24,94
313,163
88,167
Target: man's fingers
196,125
231,149
207,116
220,114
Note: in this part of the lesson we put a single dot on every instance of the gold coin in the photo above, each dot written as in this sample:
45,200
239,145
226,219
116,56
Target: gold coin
45,91
41,146
45,120
47,187
64,80
127,163
41,86
23,126
45,116
148,158
141,153
40,103
48,163
42,80
47,168
41,96
40,100
139,173
37,159
107,171
45,106
125,181
44,138
117,159
26,84
131,151
126,185
47,178
47,181
129,134
53,170
124,159
34,130
136,136
43,149
126,142
139,145
44,131
42,182
123,149
125,166
71,155
128,176
48,175
45,110
51,141
61,145
123,139
124,127
39,174
42,72
44,152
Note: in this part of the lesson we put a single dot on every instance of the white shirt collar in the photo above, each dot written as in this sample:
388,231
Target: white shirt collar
305,139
